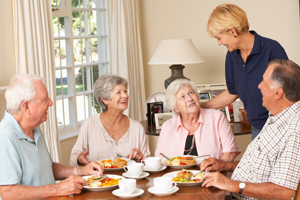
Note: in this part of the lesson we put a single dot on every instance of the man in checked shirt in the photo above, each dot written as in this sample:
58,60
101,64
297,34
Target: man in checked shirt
270,167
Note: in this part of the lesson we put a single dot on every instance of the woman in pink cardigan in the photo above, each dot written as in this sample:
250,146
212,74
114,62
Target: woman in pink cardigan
195,131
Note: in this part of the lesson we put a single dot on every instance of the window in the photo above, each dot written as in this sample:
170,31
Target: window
81,43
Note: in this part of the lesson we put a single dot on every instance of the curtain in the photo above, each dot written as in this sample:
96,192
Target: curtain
34,50
127,58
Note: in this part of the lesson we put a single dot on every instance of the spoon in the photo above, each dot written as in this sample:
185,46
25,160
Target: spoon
165,156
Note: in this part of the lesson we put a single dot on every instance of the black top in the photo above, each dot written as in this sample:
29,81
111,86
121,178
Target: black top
188,144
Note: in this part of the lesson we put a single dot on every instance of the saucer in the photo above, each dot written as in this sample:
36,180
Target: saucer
137,192
143,175
153,191
163,167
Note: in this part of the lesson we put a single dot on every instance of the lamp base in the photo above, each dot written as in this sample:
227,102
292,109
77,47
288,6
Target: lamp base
176,73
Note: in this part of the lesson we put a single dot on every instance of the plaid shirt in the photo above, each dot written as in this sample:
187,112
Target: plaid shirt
274,155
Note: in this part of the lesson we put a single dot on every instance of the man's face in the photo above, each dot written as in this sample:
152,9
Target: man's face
39,107
265,88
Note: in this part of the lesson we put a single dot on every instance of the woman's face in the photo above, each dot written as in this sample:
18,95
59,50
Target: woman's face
187,101
228,40
119,98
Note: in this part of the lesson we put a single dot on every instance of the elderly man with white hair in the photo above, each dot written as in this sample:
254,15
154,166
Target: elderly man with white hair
27,170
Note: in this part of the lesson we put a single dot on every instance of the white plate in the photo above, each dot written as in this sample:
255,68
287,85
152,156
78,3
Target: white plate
159,97
95,189
143,175
153,191
162,167
137,192
198,161
117,169
174,174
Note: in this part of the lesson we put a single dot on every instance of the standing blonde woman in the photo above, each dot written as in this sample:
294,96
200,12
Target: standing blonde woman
246,61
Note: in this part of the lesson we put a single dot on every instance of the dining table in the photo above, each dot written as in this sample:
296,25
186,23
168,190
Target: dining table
184,192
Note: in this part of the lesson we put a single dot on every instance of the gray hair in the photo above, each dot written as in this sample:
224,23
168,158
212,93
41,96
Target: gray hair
21,88
104,86
174,87
286,74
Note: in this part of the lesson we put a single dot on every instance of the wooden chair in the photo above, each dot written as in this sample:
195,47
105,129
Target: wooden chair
297,196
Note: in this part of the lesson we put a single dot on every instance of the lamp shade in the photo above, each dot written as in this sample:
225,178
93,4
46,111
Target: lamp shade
176,51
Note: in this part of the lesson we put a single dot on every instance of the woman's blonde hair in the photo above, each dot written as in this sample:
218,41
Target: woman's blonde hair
225,17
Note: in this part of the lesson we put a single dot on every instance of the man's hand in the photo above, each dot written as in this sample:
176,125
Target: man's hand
82,158
136,155
218,180
71,185
212,164
93,168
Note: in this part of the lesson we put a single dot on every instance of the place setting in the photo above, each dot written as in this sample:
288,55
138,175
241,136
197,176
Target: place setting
163,186
135,171
127,189
153,164
182,161
115,164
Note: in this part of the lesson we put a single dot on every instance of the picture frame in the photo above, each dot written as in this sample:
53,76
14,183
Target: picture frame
152,108
225,110
160,118
204,96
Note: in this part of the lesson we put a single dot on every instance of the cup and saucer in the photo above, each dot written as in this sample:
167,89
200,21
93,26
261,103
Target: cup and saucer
127,189
153,164
135,171
163,186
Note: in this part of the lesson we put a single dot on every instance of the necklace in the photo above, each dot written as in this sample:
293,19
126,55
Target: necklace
192,146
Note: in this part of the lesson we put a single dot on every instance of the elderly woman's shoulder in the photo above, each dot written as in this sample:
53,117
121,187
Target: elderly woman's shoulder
92,120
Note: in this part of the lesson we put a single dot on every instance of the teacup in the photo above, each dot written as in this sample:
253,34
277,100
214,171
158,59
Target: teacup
127,186
164,184
134,169
152,163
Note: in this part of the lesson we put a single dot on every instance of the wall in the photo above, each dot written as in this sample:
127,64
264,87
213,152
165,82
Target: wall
7,56
179,19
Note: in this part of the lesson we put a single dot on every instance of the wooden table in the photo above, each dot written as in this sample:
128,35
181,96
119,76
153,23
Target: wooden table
184,192
237,128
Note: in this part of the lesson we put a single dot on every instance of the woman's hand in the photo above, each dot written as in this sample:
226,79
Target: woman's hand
82,158
136,155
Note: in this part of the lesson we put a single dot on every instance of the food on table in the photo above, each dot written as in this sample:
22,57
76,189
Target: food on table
199,175
118,163
184,176
181,160
99,181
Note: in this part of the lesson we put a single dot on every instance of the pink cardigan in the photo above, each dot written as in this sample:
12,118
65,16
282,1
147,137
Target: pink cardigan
213,136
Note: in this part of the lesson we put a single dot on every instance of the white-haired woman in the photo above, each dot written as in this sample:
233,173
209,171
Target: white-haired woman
195,131
111,132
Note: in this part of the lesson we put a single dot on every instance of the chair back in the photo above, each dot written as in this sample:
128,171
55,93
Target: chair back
297,196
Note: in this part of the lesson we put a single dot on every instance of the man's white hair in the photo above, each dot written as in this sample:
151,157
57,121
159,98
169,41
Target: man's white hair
21,88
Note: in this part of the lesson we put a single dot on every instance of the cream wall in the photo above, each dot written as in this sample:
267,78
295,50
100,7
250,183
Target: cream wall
7,57
186,19
173,19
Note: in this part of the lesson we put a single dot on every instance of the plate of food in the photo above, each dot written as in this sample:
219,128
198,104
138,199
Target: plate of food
186,177
180,162
97,183
111,165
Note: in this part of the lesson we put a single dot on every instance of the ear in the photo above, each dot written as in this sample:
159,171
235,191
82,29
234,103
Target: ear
104,101
233,31
279,93
25,107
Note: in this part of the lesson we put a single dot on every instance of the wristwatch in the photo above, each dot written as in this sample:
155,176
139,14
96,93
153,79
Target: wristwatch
242,187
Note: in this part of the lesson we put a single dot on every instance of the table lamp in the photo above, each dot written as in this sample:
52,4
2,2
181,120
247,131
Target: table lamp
176,52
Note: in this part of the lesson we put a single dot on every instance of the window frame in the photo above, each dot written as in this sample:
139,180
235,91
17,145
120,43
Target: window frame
65,10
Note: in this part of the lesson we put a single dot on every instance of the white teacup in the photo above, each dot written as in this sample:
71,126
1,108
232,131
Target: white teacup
164,184
134,169
152,163
127,186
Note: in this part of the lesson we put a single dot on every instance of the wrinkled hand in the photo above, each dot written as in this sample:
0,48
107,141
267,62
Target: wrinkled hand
216,179
212,164
93,168
136,155
82,158
71,185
